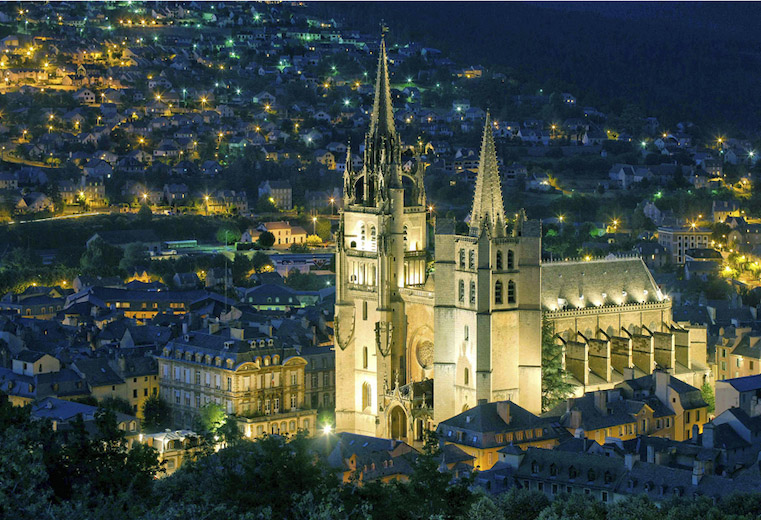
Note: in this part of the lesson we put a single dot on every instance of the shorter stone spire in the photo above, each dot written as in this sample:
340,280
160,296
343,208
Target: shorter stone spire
488,208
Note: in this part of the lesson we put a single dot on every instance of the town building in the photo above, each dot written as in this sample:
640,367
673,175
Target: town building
280,193
247,373
679,239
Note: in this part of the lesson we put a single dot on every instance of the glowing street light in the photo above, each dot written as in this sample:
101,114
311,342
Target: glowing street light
332,205
314,225
327,429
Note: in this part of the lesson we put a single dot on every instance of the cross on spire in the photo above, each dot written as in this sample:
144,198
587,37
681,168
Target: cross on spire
488,208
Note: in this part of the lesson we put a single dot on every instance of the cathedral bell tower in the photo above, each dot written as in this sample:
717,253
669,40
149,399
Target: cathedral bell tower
487,315
379,250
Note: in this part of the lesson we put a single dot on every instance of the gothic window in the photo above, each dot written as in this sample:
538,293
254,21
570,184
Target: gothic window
367,396
510,292
498,292
499,260
572,473
466,377
373,238
406,244
461,291
462,259
472,259
553,470
362,236
472,293
364,357
510,259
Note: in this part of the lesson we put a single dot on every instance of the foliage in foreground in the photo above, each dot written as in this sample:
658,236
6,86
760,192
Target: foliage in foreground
96,476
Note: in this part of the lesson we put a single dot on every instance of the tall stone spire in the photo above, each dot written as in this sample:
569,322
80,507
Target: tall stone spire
382,122
488,208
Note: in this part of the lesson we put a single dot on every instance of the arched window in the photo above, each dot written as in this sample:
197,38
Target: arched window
466,377
472,293
472,259
498,292
510,259
553,470
462,259
510,292
367,396
364,357
572,473
461,291
406,244
591,476
373,238
362,236
499,261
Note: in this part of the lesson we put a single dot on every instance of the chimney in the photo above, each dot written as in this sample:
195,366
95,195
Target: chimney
482,401
698,469
695,433
503,410
708,435
575,420
630,459
650,454
213,327
662,379
236,333
601,401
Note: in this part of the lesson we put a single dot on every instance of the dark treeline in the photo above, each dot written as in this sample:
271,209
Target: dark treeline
676,62
97,476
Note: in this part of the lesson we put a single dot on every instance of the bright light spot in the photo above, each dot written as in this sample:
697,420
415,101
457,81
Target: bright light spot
327,429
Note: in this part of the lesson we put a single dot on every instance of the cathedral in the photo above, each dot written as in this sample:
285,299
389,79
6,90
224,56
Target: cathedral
415,346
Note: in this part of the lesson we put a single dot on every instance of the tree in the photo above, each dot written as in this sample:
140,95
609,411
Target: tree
323,229
100,258
117,404
314,240
298,248
228,235
555,387
708,396
229,431
266,239
157,415
522,504
144,214
241,268
134,255
574,506
261,262
211,417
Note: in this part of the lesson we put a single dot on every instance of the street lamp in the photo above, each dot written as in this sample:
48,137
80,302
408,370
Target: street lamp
314,225
332,205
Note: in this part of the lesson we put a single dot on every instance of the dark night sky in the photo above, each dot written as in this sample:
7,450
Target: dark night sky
696,61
